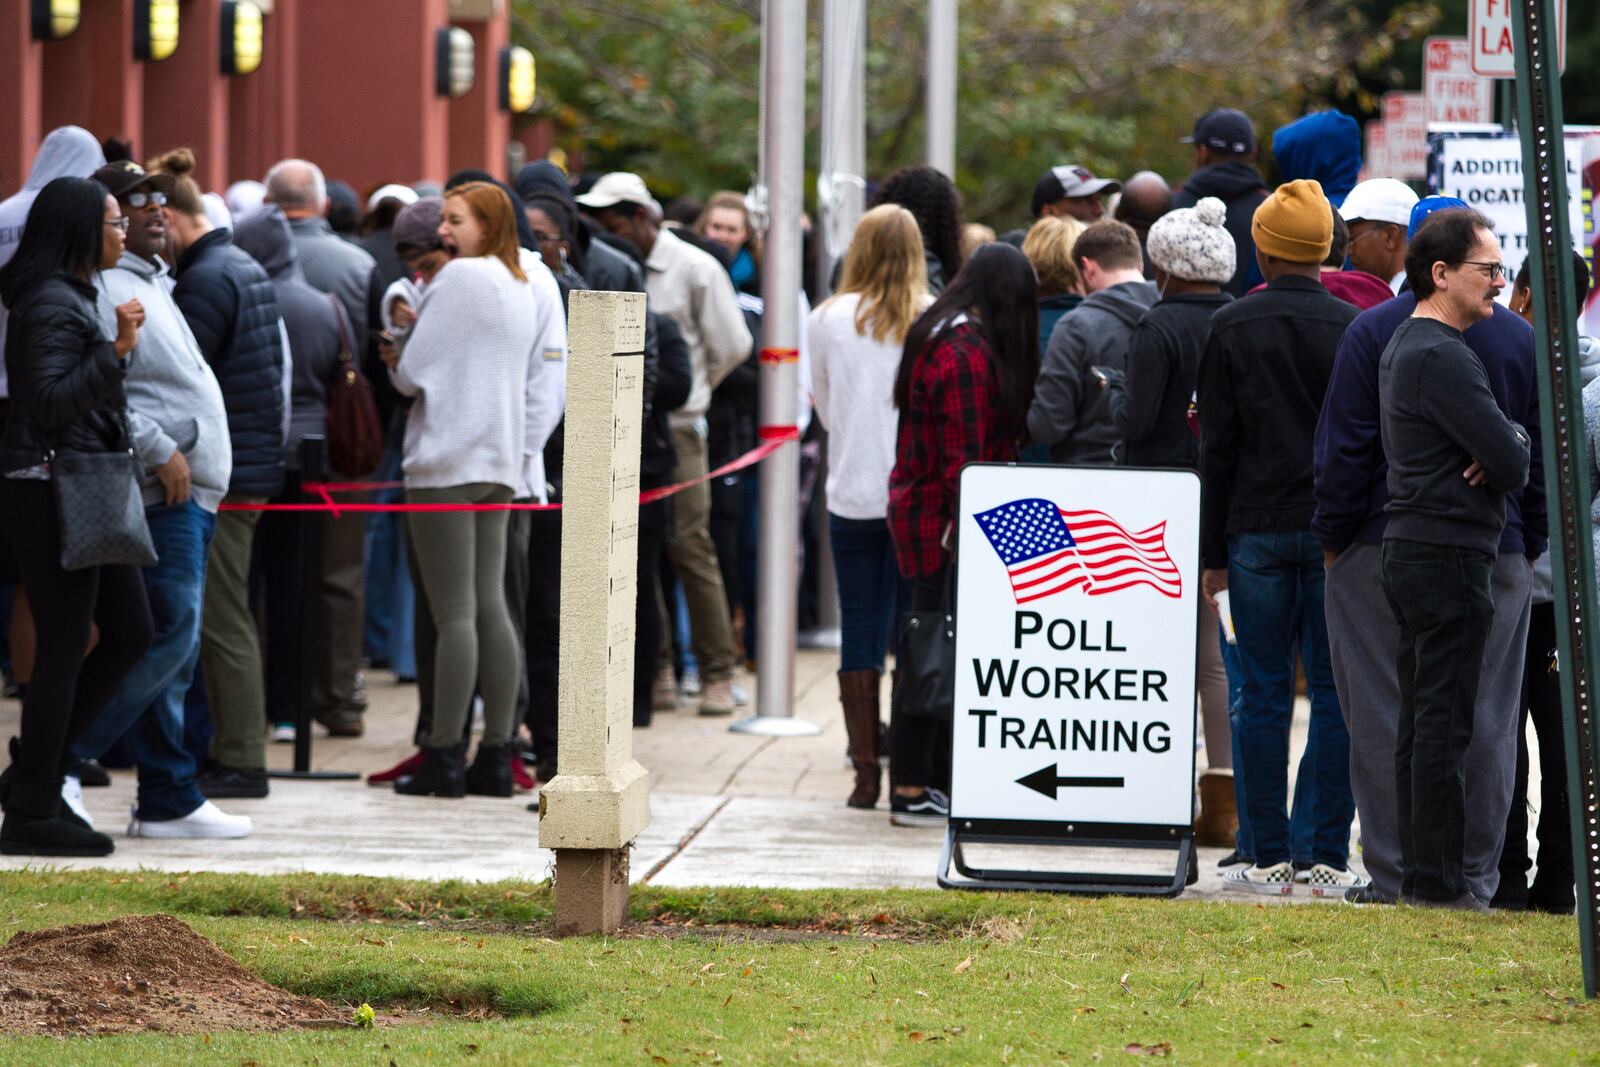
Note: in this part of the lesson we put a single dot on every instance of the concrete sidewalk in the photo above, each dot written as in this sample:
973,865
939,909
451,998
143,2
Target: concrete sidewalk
726,809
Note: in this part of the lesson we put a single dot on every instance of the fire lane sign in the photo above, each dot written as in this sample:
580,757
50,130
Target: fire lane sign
1454,93
1494,51
1077,608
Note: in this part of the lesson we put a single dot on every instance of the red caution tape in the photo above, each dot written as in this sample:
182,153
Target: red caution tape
773,437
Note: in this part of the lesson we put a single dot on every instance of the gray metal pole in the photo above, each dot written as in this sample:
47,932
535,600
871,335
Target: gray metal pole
941,87
783,117
841,177
1566,466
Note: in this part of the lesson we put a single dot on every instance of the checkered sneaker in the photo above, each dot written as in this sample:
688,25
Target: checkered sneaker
1326,881
1277,880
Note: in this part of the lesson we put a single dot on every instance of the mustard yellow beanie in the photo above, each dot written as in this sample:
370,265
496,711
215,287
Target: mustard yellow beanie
1295,223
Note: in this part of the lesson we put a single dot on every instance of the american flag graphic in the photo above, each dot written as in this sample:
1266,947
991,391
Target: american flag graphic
1047,550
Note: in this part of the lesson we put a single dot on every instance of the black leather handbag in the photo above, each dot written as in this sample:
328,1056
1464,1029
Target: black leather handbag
101,510
926,658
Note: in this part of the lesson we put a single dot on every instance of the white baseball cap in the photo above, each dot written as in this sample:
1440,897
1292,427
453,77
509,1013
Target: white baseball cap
403,193
616,188
1380,200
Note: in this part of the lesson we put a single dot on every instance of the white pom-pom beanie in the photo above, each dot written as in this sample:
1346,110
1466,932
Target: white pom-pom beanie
1193,243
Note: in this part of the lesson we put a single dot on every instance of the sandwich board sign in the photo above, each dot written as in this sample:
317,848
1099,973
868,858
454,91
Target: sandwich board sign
1076,613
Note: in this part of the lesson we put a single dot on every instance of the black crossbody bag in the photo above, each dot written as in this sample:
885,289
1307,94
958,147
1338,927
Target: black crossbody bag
100,508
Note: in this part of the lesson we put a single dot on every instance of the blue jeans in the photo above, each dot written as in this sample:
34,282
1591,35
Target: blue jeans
147,710
871,593
1275,585
390,598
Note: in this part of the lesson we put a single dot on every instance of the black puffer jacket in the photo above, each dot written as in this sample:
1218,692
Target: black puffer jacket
231,306
66,379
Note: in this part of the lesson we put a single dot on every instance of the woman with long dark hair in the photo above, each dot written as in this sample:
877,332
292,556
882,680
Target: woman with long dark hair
932,198
66,381
963,389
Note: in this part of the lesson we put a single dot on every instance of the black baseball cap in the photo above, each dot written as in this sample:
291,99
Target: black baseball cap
1068,182
125,176
1225,129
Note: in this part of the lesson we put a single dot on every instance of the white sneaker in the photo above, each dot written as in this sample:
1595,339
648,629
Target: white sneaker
207,820
1326,881
691,683
1277,880
283,733
72,797
741,695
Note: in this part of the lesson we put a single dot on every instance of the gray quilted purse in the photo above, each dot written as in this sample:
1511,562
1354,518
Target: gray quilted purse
101,510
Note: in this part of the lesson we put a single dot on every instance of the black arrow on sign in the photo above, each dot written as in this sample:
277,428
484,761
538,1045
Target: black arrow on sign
1046,781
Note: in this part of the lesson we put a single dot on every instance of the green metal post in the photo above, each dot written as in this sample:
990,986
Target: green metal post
1566,464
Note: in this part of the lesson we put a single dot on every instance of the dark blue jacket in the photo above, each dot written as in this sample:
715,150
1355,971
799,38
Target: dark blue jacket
1350,470
232,308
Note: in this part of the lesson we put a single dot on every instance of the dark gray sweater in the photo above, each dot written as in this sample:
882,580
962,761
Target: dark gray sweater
1438,416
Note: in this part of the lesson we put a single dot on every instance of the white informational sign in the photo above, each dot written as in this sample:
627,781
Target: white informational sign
1076,616
1494,52
1486,172
1454,93
1405,124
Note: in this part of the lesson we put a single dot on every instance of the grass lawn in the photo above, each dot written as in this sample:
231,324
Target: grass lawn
843,977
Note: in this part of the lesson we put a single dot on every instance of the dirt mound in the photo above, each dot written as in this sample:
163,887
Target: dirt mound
143,972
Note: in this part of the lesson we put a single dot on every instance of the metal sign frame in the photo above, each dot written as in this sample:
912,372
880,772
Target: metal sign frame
956,872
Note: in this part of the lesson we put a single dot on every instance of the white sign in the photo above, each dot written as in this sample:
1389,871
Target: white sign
1486,172
1076,613
1494,53
1453,92
1405,124
1375,158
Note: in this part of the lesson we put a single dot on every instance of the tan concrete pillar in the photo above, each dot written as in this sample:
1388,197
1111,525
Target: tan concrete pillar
600,798
21,68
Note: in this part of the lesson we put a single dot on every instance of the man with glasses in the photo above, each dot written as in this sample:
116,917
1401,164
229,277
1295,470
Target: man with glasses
179,427
1453,458
1378,212
1350,521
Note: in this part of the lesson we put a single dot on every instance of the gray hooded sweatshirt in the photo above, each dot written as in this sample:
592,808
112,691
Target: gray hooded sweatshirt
1069,411
68,152
174,402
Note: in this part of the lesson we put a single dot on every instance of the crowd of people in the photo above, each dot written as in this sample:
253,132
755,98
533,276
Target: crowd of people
1328,354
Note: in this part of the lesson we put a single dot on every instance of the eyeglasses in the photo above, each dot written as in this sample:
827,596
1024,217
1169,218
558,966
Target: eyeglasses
1495,271
120,223
545,238
143,200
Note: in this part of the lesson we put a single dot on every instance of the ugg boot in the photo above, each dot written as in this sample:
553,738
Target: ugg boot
37,825
858,692
490,773
439,776
1218,823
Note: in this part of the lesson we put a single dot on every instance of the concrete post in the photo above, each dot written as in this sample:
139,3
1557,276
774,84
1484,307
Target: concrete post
600,798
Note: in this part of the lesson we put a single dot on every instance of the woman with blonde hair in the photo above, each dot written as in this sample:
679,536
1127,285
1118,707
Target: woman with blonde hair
726,220
466,363
855,339
1048,247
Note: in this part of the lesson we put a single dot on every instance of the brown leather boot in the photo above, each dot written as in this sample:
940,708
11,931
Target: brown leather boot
858,692
1218,823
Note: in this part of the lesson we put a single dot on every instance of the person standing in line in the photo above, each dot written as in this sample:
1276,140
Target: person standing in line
1378,212
180,433
1262,379
1193,255
1048,247
932,198
1351,493
1225,167
1072,192
692,288
465,444
66,380
1090,345
962,389
232,311
1145,198
342,268
1453,456
856,337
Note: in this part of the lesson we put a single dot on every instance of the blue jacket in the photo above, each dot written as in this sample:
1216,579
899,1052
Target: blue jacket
1325,147
1350,472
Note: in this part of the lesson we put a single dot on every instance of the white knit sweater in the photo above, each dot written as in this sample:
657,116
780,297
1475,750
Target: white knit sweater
466,362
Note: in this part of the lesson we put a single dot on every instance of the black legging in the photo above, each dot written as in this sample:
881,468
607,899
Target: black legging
64,604
1541,689
655,526
919,749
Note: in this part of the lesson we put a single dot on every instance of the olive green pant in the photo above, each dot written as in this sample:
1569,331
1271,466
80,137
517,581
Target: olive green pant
230,646
461,556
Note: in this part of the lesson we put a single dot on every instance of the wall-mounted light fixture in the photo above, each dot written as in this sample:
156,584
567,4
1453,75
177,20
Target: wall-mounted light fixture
517,79
455,57
155,29
243,37
55,19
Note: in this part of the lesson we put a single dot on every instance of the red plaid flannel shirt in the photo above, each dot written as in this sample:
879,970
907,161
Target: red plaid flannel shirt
953,418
